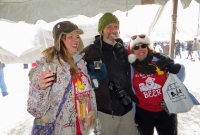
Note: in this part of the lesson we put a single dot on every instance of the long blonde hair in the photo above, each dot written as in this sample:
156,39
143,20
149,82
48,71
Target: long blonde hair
51,53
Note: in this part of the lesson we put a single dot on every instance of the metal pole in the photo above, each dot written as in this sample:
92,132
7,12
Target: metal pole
173,31
198,29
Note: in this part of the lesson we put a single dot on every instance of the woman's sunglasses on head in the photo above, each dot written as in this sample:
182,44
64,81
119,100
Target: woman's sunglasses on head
142,46
140,36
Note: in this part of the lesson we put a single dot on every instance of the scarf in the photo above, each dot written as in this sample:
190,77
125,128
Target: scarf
144,67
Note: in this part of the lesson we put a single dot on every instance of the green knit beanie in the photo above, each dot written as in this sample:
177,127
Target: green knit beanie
106,19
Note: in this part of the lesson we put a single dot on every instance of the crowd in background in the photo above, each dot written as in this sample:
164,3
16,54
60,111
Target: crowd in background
191,46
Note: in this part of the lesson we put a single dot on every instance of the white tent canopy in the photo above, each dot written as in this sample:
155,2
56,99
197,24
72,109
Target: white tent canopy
51,10
43,13
27,41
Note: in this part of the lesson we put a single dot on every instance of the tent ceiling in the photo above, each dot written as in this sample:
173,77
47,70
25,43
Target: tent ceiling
50,10
45,11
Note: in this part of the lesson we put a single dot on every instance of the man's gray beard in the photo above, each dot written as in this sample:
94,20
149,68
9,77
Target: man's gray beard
108,41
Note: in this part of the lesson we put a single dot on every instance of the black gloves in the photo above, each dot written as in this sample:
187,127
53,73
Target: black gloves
174,69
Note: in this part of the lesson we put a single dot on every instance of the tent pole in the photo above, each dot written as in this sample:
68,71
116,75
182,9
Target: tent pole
198,29
173,31
158,14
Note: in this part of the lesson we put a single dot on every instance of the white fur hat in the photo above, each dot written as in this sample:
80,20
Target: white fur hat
135,40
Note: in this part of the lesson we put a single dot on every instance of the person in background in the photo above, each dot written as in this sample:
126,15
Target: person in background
198,50
182,46
64,98
158,48
114,94
189,49
165,48
177,49
149,73
2,82
195,49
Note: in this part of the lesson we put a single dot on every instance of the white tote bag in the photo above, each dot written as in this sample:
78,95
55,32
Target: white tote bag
176,96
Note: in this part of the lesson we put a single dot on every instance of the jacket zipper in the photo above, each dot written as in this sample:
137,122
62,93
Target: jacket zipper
114,55
111,109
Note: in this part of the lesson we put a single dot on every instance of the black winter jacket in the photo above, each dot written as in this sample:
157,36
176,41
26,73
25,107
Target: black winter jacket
115,59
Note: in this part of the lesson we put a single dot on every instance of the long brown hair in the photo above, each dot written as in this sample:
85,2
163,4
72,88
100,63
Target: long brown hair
150,48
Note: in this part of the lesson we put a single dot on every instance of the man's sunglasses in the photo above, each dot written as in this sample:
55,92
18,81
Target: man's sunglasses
140,36
142,46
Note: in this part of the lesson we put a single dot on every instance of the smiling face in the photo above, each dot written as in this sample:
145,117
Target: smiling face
72,41
141,53
109,32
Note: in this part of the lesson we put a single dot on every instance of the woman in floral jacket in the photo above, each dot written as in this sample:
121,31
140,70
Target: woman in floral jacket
61,98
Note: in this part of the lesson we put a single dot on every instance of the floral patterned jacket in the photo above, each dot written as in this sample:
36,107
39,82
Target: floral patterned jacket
44,104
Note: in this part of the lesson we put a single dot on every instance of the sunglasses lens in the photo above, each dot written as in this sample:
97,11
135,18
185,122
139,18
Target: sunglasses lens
136,47
134,37
144,45
142,36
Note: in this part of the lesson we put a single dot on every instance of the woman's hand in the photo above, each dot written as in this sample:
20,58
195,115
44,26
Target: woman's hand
45,79
174,69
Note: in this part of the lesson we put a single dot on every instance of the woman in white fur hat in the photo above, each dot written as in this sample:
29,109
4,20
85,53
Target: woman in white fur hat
150,68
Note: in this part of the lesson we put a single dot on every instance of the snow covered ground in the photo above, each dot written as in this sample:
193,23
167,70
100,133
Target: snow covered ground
14,119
